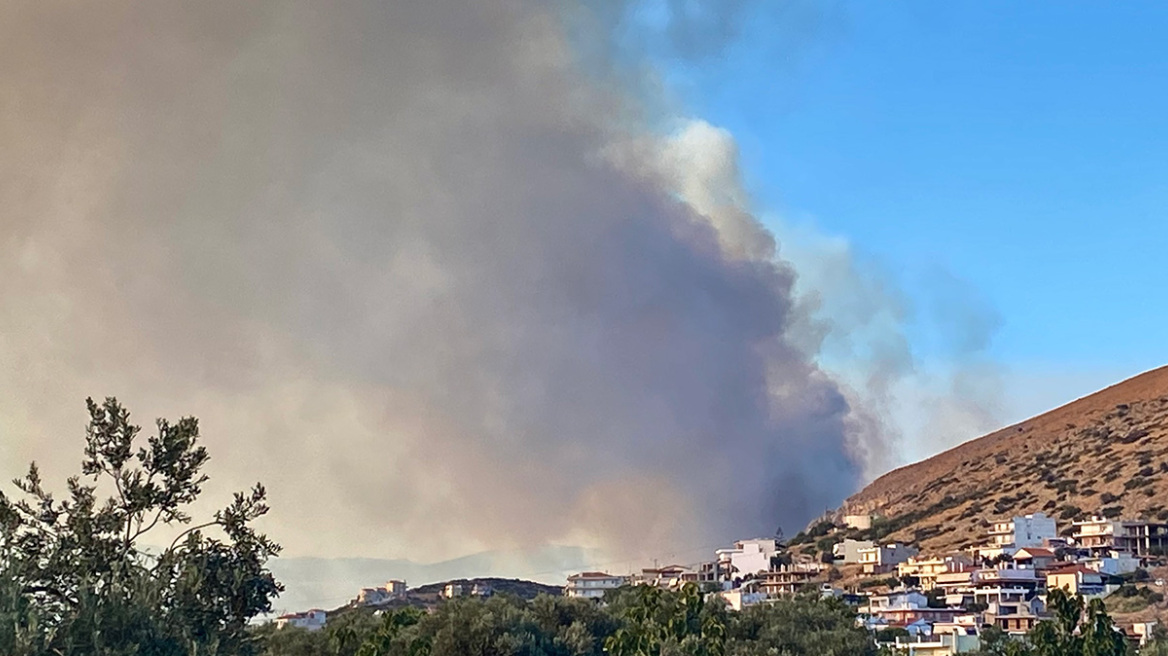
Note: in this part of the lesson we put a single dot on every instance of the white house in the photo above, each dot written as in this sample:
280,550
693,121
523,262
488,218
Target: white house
747,558
311,620
884,558
592,585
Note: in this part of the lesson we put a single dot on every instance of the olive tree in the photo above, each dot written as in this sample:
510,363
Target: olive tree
75,576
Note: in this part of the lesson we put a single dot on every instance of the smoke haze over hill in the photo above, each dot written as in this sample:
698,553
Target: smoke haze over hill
437,283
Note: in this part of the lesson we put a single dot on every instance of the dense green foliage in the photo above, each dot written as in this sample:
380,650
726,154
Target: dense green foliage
75,579
641,621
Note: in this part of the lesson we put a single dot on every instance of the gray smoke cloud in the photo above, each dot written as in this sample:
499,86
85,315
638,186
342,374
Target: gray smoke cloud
437,286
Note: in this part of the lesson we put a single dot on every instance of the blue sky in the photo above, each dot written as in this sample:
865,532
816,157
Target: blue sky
1020,147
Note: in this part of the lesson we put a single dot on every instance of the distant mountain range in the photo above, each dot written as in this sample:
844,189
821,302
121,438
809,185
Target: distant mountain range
1106,453
331,582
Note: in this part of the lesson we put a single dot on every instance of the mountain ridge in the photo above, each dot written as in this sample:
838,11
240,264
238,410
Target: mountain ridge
1106,452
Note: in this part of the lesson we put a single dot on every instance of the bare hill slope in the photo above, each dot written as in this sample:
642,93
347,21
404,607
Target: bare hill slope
1105,453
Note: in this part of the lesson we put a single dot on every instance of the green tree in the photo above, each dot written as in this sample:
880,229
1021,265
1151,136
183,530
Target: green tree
995,641
75,578
394,637
804,624
658,623
1076,629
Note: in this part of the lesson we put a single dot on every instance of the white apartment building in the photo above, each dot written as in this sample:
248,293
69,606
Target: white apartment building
1010,535
747,558
592,585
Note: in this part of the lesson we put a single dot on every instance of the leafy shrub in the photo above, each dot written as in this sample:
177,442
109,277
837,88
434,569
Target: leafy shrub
890,634
1136,482
890,581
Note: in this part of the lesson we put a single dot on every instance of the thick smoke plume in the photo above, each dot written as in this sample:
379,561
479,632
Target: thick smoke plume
434,284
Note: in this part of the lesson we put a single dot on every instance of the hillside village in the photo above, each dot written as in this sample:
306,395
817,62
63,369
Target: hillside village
935,603
934,554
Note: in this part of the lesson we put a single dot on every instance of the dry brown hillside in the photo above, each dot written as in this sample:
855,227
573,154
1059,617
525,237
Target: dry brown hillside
1106,453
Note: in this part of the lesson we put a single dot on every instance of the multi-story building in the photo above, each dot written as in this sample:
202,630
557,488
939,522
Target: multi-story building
1014,617
988,585
592,585
1009,535
747,558
926,570
1102,537
957,586
884,558
788,579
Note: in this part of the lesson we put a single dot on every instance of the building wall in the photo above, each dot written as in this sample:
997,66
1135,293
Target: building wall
884,558
751,556
848,551
862,522
1032,530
